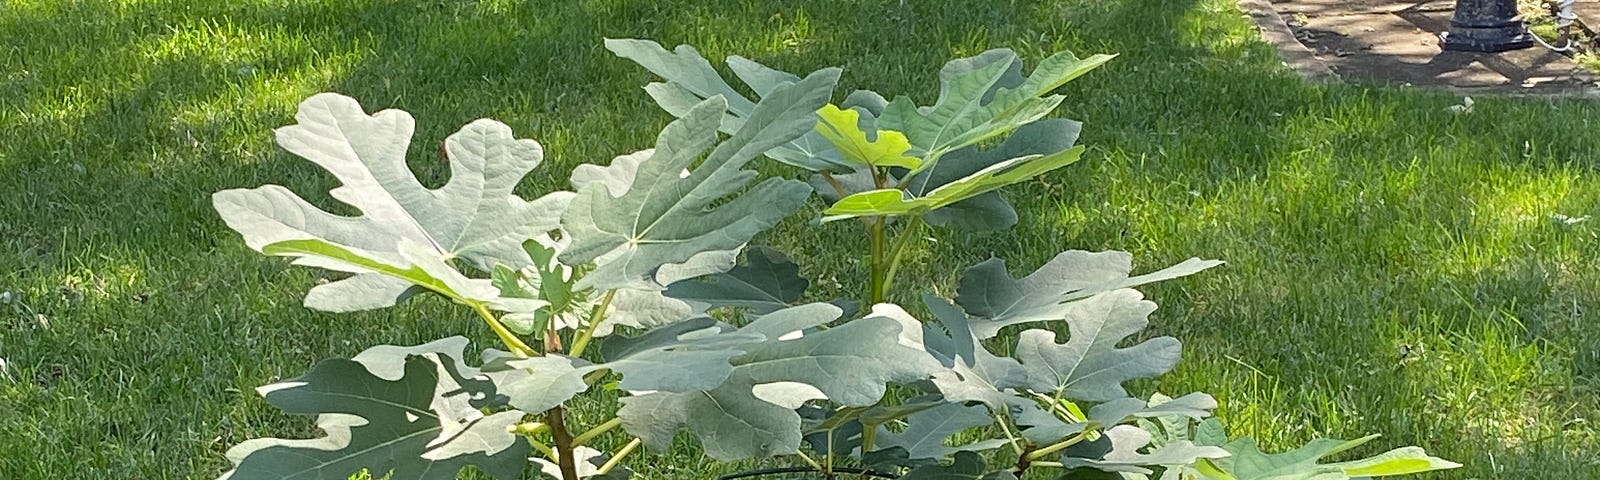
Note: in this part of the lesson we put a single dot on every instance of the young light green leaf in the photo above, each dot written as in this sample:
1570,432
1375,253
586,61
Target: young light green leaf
989,211
1090,366
733,422
690,80
767,281
985,211
1124,455
673,212
420,425
995,300
1248,462
545,280
843,129
474,217
568,308
894,202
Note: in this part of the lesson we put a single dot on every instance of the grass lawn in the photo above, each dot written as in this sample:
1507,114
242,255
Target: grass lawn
1392,268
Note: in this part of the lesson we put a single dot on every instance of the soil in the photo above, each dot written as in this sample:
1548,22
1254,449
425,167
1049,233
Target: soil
1397,43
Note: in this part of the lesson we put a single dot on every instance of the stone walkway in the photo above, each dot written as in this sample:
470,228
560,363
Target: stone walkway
1397,43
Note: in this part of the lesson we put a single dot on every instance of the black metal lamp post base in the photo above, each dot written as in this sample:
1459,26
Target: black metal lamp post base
1487,26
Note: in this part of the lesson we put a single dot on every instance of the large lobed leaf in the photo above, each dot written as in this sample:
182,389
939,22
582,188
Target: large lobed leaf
1044,427
928,432
896,202
413,412
474,217
995,300
1090,366
753,413
690,80
971,372
990,211
675,210
983,97
980,98
767,281
687,356
1126,448
884,148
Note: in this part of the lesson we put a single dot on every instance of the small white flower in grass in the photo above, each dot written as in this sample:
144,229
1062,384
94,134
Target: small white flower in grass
1566,221
1464,108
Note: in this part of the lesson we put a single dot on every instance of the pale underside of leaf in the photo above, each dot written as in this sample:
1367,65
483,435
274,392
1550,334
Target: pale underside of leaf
474,217
690,79
671,212
1126,456
1090,366
732,422
995,300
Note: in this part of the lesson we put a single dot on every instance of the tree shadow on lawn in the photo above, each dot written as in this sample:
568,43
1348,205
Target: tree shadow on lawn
1203,146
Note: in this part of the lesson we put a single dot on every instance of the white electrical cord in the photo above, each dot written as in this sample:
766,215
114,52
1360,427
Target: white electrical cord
1564,19
1565,16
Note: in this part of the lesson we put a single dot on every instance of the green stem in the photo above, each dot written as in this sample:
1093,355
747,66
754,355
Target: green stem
545,449
510,339
832,182
813,463
530,428
585,437
875,293
906,236
1058,446
828,461
599,315
617,459
1012,437
928,161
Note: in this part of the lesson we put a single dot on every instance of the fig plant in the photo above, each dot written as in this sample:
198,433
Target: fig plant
706,334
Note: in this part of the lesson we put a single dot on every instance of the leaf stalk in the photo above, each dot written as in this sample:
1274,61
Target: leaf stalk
906,236
876,292
516,345
1058,446
595,318
585,437
617,459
